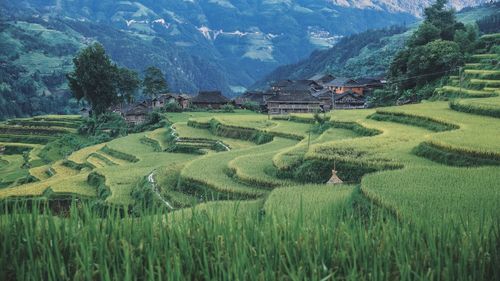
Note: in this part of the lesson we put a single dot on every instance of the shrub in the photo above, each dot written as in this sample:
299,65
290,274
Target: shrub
253,106
104,127
172,107
228,108
99,182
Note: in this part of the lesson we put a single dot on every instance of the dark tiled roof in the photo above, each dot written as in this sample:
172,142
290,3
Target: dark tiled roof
322,78
323,93
356,96
293,97
137,109
342,81
257,97
282,83
210,97
185,96
164,97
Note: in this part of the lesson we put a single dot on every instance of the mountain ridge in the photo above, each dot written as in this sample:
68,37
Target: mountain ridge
369,53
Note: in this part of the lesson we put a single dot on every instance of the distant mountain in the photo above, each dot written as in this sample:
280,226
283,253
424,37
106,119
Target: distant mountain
199,44
245,38
414,7
365,54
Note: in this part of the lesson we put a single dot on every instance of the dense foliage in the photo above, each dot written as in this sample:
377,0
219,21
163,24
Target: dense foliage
32,71
154,82
491,23
99,81
437,48
367,53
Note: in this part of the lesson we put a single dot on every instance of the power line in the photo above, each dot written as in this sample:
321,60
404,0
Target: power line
424,75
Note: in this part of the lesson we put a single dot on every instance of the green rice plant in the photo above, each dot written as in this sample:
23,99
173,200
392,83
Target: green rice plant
130,145
62,179
98,181
17,148
238,241
307,202
476,133
258,169
290,158
492,75
118,154
101,159
30,139
152,142
168,183
41,172
10,169
434,196
429,123
21,130
238,132
474,66
456,156
123,178
456,92
211,173
80,156
187,132
160,136
485,83
43,123
56,118
486,107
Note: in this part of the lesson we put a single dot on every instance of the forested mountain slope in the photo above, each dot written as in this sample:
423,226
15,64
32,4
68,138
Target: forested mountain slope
366,54
226,45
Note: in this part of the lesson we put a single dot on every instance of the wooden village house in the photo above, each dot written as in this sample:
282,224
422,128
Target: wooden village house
161,100
210,99
182,100
342,85
258,98
348,100
293,102
136,114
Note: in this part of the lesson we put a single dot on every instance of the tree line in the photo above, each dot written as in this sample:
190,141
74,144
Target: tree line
101,83
437,48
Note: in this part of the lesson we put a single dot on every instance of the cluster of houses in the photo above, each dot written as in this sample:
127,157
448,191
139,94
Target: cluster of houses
319,93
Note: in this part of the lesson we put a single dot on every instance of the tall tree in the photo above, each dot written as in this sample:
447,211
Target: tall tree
94,78
128,84
431,52
154,82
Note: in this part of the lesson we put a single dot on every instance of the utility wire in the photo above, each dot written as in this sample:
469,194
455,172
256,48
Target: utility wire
424,75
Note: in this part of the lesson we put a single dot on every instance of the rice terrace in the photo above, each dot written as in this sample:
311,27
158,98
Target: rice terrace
324,178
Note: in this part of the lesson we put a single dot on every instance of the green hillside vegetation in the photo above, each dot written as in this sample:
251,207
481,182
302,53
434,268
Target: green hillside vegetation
442,49
371,53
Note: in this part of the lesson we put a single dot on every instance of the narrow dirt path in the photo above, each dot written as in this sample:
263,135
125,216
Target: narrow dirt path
151,180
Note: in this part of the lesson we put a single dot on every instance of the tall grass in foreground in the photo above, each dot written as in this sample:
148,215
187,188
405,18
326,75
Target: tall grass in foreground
357,242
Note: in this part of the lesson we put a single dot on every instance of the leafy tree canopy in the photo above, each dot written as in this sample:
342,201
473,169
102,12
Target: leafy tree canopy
99,81
438,47
154,82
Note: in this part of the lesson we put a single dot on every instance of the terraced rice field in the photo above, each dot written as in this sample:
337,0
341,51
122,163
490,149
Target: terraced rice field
426,163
